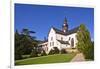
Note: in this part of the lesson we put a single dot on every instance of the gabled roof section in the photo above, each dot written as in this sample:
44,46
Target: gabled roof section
63,42
74,30
59,31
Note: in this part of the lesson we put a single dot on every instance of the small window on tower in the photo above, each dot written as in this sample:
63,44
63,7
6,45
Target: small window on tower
51,38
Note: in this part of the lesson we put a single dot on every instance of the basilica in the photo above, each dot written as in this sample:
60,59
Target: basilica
64,38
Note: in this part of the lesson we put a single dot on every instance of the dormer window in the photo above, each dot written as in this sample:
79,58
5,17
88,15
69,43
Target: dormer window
61,38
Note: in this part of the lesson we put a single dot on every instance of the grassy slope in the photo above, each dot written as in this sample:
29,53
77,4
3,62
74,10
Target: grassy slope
57,58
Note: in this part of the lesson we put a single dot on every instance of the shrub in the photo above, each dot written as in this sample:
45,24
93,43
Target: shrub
63,51
56,50
51,52
34,53
43,53
18,56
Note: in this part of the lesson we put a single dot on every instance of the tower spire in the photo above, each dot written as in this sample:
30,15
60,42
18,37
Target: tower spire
65,26
65,20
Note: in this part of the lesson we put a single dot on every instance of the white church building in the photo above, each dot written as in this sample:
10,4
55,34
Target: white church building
62,39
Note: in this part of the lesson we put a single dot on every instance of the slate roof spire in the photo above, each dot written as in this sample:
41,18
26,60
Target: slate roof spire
65,26
65,20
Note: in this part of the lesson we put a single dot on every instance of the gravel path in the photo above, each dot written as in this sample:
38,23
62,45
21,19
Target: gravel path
79,57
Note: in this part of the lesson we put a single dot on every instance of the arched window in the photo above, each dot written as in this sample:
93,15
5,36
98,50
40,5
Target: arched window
51,38
69,38
52,43
72,42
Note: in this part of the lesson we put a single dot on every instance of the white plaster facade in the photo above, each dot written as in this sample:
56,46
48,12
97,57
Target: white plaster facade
61,39
53,40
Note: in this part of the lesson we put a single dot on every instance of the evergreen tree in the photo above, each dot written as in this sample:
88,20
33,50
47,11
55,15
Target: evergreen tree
24,43
84,44
18,53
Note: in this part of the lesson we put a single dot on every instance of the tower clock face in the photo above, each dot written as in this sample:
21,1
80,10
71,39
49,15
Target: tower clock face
64,24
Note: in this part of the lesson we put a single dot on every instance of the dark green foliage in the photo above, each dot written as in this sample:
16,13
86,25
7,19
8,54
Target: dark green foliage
18,56
90,53
54,51
63,51
23,43
18,52
43,53
26,32
51,52
34,53
26,44
84,44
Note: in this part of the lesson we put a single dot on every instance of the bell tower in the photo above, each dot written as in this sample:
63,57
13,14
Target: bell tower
65,26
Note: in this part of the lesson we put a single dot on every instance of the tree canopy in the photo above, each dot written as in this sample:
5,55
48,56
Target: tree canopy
24,43
84,44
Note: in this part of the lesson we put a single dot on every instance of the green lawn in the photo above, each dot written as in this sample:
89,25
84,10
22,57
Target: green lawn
57,58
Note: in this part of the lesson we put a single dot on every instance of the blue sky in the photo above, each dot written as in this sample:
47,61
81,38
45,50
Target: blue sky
40,18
